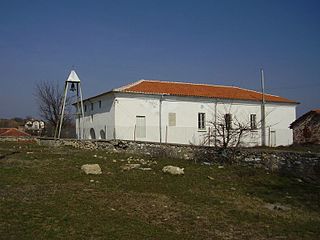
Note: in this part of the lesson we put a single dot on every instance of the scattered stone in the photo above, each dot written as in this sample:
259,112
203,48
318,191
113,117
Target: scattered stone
91,169
173,170
299,180
207,163
29,152
220,167
91,180
186,157
145,169
95,155
114,160
130,166
233,189
211,178
304,165
277,206
250,159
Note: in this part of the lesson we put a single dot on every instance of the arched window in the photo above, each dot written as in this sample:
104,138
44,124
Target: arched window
102,134
92,134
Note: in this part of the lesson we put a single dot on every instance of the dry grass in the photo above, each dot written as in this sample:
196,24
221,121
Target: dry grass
44,195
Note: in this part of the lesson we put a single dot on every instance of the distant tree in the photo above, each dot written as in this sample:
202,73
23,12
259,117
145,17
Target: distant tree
18,119
50,100
9,123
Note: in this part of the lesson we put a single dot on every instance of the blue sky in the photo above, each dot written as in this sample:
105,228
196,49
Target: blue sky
112,43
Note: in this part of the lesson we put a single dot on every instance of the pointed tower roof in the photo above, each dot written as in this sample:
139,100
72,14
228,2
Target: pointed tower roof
73,77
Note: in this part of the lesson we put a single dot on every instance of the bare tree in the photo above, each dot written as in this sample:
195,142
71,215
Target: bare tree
50,99
228,131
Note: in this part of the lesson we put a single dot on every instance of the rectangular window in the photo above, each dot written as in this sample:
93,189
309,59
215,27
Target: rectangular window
201,121
172,119
100,104
253,121
91,106
85,108
140,126
228,121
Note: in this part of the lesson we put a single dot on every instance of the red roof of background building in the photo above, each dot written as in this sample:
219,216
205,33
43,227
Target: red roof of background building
198,90
317,111
12,132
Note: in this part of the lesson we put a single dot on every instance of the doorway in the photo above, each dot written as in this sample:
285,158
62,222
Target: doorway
140,127
273,138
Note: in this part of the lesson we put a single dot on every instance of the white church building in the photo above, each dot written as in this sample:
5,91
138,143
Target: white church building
183,113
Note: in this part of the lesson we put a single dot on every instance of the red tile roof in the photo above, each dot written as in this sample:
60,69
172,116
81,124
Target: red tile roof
198,90
12,132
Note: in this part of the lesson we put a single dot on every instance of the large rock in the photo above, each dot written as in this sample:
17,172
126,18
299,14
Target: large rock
91,169
173,170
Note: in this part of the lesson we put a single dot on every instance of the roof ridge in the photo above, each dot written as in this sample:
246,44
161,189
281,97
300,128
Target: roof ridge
199,84
168,81
257,91
128,85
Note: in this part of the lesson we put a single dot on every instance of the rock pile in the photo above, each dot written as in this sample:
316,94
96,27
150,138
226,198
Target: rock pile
137,163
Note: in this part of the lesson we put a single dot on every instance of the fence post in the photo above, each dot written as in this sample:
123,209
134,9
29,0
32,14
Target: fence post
166,133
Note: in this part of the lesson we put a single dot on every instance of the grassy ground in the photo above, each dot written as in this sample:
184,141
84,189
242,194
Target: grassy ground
44,195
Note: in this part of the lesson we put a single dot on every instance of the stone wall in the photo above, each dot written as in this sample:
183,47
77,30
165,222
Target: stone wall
307,130
302,165
19,139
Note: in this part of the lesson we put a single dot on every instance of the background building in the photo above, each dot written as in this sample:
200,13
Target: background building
306,129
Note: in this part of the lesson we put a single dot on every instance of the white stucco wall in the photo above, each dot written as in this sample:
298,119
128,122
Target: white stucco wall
279,117
127,107
119,111
100,118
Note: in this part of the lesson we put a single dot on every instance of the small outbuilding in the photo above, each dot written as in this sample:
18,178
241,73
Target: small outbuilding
306,129
12,132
